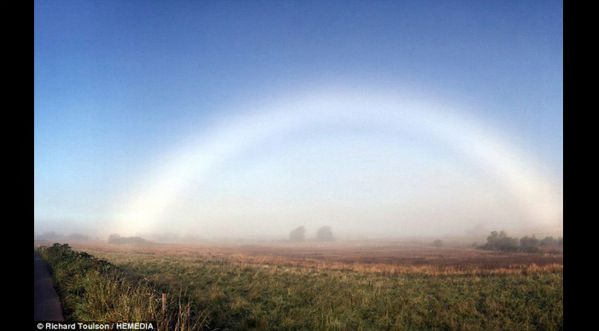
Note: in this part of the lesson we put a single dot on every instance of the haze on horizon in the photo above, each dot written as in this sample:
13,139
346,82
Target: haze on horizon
128,96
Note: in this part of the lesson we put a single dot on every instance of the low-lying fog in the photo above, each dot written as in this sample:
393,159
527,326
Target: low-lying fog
363,185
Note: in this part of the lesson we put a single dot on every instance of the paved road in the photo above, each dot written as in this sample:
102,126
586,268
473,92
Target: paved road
46,303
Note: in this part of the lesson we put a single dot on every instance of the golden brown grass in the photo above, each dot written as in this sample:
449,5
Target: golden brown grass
380,260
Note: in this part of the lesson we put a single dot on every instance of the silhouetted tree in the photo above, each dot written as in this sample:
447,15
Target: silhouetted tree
549,241
298,234
51,236
437,243
117,239
114,238
529,244
500,242
325,234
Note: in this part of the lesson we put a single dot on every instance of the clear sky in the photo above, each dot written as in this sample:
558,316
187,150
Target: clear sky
120,84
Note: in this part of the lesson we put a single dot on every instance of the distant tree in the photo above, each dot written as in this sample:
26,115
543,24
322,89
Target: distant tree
114,238
437,243
492,240
298,234
549,241
325,233
500,242
529,244
51,236
560,241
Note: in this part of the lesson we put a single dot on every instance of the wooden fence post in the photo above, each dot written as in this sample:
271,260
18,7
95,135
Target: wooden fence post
163,302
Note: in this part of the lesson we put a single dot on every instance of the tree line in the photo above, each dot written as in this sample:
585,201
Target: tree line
500,241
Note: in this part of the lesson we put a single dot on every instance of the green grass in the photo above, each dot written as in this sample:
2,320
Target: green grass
236,296
240,296
95,290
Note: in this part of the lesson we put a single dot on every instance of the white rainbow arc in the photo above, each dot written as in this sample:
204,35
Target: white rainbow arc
539,198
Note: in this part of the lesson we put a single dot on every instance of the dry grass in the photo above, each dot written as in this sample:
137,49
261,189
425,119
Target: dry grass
336,287
385,260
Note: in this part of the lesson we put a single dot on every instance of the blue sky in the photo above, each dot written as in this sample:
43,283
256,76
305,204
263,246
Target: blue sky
119,82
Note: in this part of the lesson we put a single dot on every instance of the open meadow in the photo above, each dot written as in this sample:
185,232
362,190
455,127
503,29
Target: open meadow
332,286
299,165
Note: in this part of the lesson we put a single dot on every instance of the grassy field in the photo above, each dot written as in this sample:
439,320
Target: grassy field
307,288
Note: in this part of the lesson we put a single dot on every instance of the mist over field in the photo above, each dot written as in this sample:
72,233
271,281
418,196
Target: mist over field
299,165
401,169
